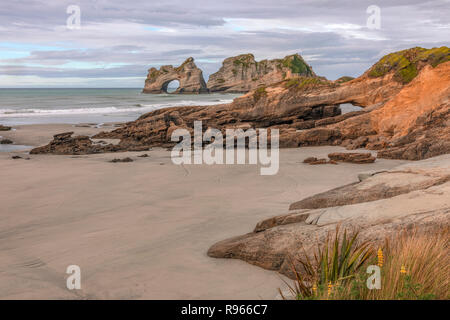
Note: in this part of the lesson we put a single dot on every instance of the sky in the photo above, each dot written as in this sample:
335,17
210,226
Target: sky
116,42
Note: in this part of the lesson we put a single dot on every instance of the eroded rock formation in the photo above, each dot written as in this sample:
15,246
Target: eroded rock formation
64,143
403,120
413,125
413,195
243,73
189,76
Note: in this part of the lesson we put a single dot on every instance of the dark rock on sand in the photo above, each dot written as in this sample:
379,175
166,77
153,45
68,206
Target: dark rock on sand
319,161
310,159
352,157
127,159
314,161
4,128
19,157
64,143
5,141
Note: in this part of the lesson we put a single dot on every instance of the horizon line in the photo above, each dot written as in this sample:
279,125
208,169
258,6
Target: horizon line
70,88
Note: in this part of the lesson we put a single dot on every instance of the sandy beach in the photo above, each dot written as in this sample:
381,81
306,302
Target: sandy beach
141,230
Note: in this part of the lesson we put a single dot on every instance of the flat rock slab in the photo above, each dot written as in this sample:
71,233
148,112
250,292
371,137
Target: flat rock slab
412,195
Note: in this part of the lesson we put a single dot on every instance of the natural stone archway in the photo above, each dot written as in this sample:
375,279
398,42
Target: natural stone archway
169,87
189,76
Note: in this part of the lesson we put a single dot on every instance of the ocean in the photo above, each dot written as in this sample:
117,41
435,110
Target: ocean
38,106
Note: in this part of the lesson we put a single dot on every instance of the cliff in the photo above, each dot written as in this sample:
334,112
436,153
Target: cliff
190,78
412,124
242,73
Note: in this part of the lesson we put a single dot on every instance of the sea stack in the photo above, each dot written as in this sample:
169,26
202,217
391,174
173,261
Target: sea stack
188,74
243,73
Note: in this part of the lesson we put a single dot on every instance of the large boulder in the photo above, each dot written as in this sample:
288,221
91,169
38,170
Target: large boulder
189,76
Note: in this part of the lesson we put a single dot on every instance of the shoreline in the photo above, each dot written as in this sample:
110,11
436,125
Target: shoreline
142,229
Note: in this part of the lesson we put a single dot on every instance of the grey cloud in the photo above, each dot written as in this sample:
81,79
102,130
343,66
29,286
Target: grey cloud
197,28
45,72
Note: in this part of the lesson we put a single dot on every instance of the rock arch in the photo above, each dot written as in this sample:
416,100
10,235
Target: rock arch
189,76
170,89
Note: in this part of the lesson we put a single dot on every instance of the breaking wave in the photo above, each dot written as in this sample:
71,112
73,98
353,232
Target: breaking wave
139,107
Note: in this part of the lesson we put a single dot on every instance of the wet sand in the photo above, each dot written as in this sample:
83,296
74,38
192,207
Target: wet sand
141,230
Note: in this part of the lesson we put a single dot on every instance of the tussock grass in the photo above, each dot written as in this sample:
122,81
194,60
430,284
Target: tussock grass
414,265
335,262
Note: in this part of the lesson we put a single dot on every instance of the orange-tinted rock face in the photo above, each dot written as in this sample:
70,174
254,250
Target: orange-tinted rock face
413,125
429,91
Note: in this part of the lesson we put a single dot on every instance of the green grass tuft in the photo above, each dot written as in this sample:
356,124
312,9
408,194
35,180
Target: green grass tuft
259,93
344,79
305,83
297,65
405,63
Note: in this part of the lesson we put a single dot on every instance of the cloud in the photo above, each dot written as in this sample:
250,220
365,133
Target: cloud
120,39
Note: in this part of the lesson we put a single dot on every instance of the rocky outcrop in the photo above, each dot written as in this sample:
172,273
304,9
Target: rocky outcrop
400,120
243,73
413,125
154,129
415,195
295,104
64,143
189,76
